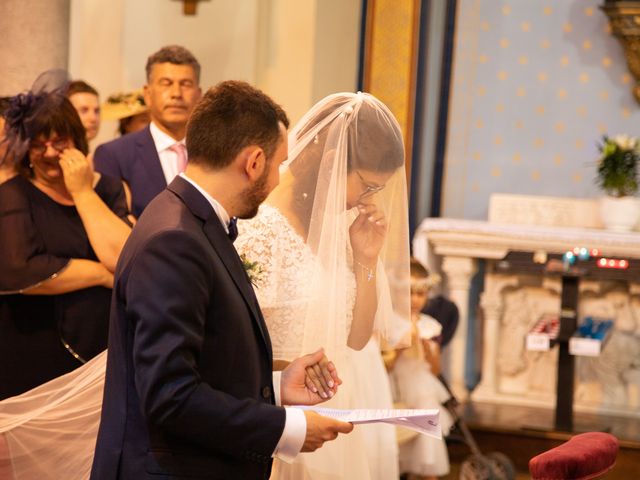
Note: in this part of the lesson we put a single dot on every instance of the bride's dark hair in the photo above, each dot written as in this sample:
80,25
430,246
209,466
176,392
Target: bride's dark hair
373,144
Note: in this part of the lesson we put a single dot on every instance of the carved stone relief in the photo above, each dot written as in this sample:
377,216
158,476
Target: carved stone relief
610,382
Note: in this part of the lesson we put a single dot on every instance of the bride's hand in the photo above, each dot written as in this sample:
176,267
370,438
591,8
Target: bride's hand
367,233
294,381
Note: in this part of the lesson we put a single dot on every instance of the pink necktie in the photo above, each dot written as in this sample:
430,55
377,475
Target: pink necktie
181,151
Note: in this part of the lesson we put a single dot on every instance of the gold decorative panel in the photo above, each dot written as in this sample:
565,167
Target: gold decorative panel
391,59
624,19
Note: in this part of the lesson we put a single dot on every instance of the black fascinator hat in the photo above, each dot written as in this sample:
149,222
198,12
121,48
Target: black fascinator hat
42,111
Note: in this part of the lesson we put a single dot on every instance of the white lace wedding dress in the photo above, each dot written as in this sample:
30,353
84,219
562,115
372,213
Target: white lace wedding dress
283,289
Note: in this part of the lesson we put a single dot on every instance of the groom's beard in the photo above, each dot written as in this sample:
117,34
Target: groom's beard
254,196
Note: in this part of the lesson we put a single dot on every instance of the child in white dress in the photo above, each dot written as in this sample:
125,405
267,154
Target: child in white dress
414,374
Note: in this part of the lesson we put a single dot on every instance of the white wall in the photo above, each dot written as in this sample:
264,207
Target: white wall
297,51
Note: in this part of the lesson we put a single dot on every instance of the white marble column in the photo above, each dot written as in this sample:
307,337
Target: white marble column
35,38
459,271
492,304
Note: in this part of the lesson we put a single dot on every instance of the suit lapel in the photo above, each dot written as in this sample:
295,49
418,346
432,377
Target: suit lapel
220,242
148,154
229,256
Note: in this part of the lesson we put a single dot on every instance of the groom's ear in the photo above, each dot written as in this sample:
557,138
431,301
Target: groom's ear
253,161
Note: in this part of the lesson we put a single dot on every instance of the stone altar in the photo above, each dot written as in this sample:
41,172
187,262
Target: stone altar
512,303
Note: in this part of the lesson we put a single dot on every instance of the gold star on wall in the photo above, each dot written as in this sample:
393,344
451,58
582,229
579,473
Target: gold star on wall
625,112
576,177
535,175
587,45
496,172
562,94
504,42
497,140
482,91
604,95
521,92
579,144
626,79
483,59
525,26
516,158
559,127
540,109
477,156
584,78
538,142
479,123
502,75
547,10
602,128
523,60
545,43
606,62
588,11
567,28
519,124
506,10
500,107
542,77
564,61
581,111
557,160
485,26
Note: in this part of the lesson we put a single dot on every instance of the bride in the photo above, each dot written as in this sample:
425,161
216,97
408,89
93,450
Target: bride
320,252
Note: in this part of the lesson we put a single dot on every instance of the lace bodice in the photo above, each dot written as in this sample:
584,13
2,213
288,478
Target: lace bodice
285,264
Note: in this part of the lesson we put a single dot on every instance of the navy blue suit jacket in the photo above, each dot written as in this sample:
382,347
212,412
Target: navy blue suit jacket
134,159
188,390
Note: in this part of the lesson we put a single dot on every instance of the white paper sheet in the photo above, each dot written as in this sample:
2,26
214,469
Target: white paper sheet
423,421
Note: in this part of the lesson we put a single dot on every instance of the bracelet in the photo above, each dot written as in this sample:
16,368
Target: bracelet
369,271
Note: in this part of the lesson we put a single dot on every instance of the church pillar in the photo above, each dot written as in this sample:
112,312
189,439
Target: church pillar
35,38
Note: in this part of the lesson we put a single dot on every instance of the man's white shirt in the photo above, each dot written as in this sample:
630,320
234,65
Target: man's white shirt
168,158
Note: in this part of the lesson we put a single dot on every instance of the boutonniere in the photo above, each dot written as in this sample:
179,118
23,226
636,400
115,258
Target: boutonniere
252,269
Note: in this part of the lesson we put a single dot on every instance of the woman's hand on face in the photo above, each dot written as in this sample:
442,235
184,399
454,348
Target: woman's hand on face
367,234
77,171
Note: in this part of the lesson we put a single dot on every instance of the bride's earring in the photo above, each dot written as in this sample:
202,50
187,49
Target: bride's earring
315,139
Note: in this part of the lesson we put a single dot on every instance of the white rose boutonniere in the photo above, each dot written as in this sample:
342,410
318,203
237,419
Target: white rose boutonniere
253,270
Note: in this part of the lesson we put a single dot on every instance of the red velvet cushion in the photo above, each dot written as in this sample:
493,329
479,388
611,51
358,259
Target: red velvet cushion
585,456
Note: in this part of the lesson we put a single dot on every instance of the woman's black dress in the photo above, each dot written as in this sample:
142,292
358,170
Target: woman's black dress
40,335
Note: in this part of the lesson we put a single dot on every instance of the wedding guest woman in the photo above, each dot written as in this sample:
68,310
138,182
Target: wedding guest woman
62,227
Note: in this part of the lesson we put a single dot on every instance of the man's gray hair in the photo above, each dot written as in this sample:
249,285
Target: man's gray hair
175,54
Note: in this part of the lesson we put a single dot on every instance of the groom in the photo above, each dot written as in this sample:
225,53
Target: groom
189,390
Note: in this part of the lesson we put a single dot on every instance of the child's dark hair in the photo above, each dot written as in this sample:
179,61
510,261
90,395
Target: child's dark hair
417,269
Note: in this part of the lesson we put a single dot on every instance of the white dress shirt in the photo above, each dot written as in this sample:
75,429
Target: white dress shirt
295,426
168,158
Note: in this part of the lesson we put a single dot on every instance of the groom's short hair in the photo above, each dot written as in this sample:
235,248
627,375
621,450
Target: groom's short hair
229,117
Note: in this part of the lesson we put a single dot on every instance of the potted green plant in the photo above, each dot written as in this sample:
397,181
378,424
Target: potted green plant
618,178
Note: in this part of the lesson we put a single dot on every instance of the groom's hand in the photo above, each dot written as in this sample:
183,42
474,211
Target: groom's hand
309,379
322,429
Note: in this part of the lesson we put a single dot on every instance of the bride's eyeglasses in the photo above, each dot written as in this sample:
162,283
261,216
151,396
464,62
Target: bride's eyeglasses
369,189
